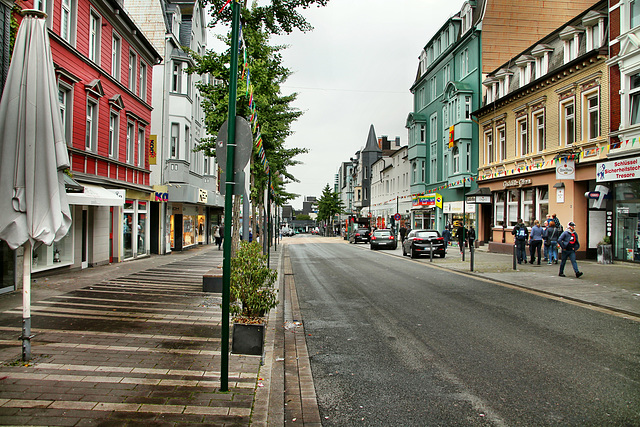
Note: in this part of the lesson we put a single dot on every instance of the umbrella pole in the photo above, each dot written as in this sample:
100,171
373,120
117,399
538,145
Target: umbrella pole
26,302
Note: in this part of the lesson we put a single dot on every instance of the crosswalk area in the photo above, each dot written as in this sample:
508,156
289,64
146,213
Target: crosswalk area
143,348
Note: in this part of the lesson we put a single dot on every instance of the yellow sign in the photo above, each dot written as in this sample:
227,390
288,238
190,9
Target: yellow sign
153,144
451,140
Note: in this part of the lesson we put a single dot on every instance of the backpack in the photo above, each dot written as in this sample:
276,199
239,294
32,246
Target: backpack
521,233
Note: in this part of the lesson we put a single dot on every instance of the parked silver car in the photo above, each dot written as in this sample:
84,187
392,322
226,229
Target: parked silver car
383,238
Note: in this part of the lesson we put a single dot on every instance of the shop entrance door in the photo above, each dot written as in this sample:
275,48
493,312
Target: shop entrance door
628,236
85,238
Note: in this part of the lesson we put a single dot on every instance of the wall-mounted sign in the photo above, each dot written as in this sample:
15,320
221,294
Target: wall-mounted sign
153,144
479,199
516,183
451,137
428,200
203,196
566,169
559,195
161,197
618,170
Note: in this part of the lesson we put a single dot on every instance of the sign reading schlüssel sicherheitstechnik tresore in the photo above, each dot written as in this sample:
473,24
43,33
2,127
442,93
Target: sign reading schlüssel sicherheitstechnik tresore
617,170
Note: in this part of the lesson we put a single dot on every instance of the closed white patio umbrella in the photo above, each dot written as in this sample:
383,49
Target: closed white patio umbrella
33,154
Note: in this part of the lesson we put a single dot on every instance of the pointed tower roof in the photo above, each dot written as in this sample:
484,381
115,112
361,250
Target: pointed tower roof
372,142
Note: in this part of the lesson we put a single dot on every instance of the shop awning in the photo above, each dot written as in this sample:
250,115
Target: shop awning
480,191
94,195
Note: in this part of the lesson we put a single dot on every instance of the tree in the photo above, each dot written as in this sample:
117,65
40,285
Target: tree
275,113
329,204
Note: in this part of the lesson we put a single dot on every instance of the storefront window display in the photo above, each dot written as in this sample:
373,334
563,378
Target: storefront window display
188,230
201,230
423,219
127,227
134,228
142,227
627,230
57,255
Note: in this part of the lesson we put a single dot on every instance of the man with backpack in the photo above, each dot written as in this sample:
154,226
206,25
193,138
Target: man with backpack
551,235
521,235
568,241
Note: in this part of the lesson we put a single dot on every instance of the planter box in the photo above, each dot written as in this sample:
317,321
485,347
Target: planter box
248,338
605,254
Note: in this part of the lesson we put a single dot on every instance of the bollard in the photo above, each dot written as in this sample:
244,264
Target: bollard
431,250
471,252
514,258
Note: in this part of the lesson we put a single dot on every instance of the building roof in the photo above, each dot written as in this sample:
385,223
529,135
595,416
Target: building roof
372,142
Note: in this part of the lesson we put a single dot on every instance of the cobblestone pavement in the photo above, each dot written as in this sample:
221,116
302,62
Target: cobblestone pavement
143,348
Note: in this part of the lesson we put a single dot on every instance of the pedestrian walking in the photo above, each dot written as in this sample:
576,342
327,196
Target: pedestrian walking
521,234
569,243
544,239
535,241
446,235
556,221
471,238
403,233
551,235
216,236
460,234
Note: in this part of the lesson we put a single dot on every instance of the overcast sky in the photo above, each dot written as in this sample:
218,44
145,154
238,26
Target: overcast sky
354,70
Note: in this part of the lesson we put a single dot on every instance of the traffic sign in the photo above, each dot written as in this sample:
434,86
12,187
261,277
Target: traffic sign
397,217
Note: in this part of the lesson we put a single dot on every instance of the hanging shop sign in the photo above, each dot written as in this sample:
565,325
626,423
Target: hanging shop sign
618,170
566,169
153,144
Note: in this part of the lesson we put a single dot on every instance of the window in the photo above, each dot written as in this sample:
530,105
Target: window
174,149
131,138
132,72
468,157
66,20
91,136
634,99
456,160
568,123
433,130
539,139
592,105
45,6
94,38
445,165
423,132
65,101
447,74
176,82
467,108
432,86
142,85
141,147
422,171
634,13
433,170
464,63
502,144
488,144
527,213
523,141
542,202
115,56
414,172
512,207
498,209
114,121
187,144
571,39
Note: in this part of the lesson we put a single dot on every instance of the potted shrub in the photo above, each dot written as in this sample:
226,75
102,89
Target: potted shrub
252,296
605,253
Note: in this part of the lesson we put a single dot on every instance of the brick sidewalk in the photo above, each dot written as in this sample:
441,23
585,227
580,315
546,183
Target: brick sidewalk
140,349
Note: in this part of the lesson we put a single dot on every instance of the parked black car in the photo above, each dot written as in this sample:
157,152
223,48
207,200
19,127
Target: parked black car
360,235
383,238
419,242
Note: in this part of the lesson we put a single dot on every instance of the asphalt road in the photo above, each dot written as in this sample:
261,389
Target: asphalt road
394,341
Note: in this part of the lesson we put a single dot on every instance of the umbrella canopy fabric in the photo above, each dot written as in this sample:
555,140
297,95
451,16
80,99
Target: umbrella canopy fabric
33,151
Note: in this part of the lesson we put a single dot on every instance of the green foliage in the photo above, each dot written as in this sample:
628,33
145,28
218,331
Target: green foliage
329,204
303,217
252,282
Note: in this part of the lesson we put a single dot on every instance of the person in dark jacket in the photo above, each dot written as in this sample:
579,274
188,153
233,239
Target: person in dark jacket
520,234
446,235
471,236
535,242
551,235
569,243
461,235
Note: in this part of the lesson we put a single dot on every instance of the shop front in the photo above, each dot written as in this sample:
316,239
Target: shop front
425,210
187,225
621,177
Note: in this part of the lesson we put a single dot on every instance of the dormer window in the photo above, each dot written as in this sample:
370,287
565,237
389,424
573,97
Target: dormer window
490,84
571,37
176,25
423,62
527,69
594,29
465,14
541,54
504,80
